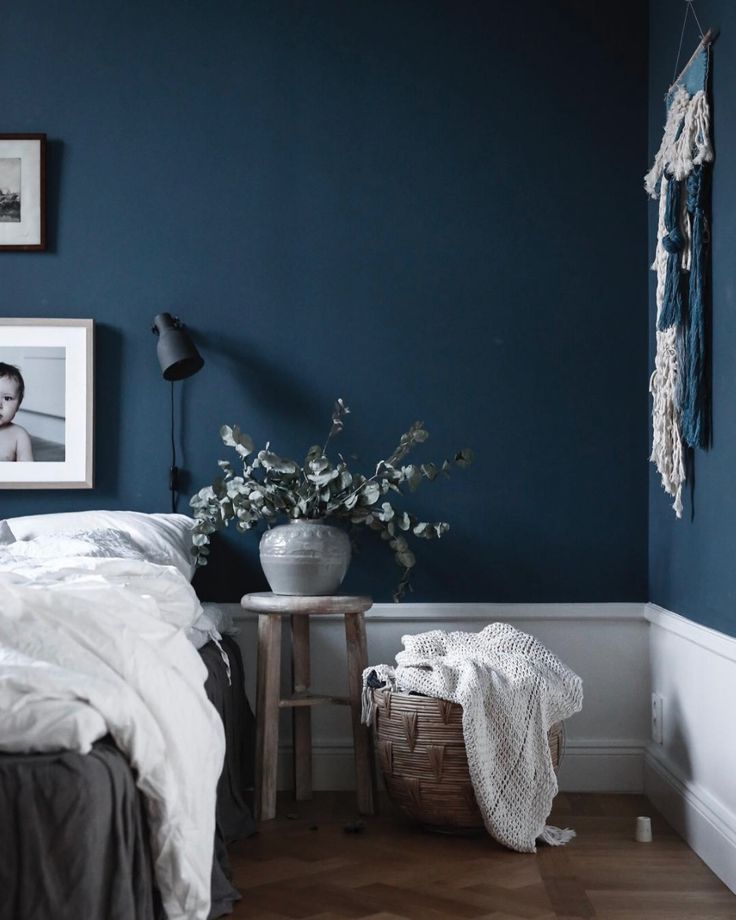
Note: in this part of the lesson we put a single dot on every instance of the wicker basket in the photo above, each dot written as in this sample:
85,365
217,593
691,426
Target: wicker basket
421,752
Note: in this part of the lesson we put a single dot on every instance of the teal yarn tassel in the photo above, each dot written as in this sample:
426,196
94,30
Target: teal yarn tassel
672,241
694,384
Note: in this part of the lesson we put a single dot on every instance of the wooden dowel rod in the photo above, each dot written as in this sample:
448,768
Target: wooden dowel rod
706,41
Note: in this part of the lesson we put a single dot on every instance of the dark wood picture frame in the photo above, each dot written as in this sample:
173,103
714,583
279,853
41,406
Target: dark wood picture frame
37,183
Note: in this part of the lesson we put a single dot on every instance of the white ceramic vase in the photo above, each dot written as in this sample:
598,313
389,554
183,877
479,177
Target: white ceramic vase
305,557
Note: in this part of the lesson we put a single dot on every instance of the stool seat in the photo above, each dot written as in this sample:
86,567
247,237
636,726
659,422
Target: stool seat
270,608
289,605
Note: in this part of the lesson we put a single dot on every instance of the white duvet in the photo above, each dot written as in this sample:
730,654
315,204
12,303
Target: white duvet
96,645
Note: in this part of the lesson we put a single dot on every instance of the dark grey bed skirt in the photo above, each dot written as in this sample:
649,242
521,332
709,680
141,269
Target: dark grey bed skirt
73,838
234,818
74,843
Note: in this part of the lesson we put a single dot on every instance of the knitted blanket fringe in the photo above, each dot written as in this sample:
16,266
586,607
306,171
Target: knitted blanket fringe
512,690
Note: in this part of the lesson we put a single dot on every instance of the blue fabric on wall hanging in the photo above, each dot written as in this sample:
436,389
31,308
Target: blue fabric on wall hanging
673,241
694,383
679,179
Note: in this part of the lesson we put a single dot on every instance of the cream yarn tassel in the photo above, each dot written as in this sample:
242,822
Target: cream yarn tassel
675,117
693,147
667,449
685,142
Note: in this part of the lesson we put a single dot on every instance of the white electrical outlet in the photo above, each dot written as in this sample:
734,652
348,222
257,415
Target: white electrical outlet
657,718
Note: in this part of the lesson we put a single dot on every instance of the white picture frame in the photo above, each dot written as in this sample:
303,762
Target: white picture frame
47,387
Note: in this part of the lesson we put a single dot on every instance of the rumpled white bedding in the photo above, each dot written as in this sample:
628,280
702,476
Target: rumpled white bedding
92,645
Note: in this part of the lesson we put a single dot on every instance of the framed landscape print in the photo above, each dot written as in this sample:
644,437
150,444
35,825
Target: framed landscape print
23,191
46,403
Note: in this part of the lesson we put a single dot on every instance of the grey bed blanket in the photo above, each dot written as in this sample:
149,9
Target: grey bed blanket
74,843
96,861
234,818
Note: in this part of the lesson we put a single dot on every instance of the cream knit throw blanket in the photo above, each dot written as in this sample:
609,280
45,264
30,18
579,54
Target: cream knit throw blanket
511,689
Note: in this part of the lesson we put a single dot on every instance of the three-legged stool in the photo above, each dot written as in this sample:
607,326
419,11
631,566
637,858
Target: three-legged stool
270,609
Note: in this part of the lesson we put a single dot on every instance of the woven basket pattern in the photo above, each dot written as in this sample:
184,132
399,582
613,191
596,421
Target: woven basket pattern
421,752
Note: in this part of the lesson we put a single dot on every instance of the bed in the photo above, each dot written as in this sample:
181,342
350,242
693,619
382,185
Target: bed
76,833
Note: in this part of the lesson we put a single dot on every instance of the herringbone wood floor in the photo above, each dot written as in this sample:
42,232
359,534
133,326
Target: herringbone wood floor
305,865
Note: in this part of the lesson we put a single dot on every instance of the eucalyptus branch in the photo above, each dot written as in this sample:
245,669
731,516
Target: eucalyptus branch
339,411
271,486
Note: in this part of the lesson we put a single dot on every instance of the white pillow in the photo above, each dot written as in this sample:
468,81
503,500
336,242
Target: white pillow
160,536
109,544
6,534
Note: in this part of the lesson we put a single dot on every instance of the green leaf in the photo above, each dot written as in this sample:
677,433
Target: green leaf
321,479
386,513
463,458
236,438
412,475
370,493
319,464
272,462
339,411
431,471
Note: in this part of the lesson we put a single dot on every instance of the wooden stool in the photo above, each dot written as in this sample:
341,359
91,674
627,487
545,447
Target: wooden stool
270,608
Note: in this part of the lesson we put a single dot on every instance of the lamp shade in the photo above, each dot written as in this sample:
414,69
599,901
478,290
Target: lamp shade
176,352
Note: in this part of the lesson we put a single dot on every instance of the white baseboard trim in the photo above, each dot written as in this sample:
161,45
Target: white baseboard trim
689,777
615,765
709,639
605,643
588,766
333,767
486,613
707,826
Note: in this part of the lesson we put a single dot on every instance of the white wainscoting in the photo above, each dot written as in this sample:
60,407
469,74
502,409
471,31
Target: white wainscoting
605,643
691,777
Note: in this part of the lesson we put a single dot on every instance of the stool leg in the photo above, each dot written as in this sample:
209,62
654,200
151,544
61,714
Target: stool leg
301,715
357,663
267,714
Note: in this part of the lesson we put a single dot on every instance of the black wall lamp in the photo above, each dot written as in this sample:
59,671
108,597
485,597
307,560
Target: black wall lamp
179,359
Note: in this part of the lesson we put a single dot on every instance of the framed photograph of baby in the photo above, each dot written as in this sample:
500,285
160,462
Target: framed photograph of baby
46,403
23,191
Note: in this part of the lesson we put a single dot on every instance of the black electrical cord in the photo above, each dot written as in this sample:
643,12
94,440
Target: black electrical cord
173,471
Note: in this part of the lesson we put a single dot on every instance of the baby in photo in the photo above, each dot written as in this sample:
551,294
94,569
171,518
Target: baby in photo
15,442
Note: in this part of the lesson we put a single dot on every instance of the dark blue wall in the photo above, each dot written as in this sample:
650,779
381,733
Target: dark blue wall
691,568
431,209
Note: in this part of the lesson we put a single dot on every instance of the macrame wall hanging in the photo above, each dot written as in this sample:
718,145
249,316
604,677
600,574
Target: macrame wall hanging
679,180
